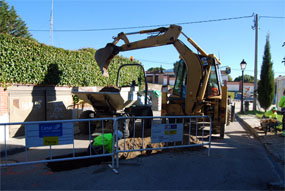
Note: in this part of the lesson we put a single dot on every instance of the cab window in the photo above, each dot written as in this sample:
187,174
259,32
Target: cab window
180,81
213,85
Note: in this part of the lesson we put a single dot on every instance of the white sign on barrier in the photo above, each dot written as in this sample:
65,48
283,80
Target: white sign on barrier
162,133
44,134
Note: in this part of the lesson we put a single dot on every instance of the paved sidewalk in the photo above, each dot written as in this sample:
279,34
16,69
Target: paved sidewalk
274,144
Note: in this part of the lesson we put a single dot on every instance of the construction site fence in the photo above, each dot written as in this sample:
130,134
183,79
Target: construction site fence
47,141
166,132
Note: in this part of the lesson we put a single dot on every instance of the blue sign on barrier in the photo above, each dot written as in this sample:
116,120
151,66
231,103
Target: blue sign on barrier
50,129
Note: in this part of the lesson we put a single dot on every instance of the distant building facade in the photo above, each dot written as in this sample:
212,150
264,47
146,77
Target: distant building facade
166,77
236,87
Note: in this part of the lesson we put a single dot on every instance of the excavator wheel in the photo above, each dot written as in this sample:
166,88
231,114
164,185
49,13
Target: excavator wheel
84,126
228,116
123,125
143,111
222,131
147,122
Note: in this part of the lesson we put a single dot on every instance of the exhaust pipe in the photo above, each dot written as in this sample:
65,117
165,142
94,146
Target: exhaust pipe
104,56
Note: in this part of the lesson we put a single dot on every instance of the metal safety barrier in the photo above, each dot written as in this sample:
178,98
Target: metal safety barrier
54,136
166,132
49,139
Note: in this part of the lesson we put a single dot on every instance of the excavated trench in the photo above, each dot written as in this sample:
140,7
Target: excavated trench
127,144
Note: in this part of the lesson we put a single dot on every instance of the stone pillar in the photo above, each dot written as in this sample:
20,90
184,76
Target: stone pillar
4,117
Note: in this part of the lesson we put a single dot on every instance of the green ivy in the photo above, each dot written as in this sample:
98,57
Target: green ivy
24,61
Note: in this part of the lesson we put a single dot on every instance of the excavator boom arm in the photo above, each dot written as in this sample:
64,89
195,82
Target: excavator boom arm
194,92
166,36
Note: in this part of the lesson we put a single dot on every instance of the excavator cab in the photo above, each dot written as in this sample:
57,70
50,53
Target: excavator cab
213,86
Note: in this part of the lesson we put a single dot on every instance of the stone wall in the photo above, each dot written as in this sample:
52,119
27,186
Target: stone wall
23,103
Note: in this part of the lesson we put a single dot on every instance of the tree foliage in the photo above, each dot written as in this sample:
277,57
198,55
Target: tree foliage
266,86
11,23
175,66
246,78
156,69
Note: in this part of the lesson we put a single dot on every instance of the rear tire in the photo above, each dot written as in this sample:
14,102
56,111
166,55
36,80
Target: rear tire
124,127
83,126
228,115
222,131
143,111
147,122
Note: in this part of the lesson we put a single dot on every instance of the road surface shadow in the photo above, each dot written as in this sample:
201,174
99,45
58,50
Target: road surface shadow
76,163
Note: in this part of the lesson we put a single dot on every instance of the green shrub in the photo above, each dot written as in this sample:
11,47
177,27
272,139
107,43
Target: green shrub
25,61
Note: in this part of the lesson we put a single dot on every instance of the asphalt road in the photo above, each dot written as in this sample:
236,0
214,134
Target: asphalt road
237,162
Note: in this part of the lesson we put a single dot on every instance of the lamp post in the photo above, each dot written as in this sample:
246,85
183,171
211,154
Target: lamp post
242,66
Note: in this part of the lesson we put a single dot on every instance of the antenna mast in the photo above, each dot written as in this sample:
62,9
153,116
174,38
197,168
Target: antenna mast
51,24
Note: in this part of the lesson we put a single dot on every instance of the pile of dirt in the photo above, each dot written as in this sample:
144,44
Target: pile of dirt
136,143
265,122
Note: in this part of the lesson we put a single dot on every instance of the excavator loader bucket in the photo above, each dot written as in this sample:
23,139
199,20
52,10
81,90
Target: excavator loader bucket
104,56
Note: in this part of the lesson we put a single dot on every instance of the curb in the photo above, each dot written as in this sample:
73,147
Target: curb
254,133
275,185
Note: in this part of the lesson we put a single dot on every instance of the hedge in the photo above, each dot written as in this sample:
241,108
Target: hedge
24,61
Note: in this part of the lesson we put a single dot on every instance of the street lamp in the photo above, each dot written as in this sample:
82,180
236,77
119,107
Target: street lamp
242,67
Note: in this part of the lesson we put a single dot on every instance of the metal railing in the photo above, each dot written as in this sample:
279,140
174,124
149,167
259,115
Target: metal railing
190,126
168,132
31,144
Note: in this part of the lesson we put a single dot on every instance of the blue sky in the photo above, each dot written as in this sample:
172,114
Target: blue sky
231,41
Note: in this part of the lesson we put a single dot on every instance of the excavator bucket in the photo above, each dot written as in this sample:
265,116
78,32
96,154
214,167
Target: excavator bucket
104,56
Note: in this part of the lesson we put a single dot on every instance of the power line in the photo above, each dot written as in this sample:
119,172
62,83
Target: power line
144,26
158,62
250,70
271,17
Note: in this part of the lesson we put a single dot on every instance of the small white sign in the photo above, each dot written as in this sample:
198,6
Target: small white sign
44,134
162,133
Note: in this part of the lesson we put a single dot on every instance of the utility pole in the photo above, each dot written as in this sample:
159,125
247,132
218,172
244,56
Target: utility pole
255,62
51,24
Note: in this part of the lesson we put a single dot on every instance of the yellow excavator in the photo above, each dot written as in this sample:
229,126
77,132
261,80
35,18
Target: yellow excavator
198,88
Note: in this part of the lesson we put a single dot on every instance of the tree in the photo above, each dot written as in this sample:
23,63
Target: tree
11,23
266,86
247,78
156,69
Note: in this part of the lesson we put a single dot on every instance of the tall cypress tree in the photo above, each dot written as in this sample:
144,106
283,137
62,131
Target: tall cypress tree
11,23
266,86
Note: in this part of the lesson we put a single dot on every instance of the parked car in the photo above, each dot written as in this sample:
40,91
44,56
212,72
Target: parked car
245,98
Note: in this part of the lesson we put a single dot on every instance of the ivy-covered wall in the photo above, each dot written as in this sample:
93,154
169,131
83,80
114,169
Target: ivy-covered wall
24,61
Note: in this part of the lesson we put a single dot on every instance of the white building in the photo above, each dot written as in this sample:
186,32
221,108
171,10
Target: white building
280,87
